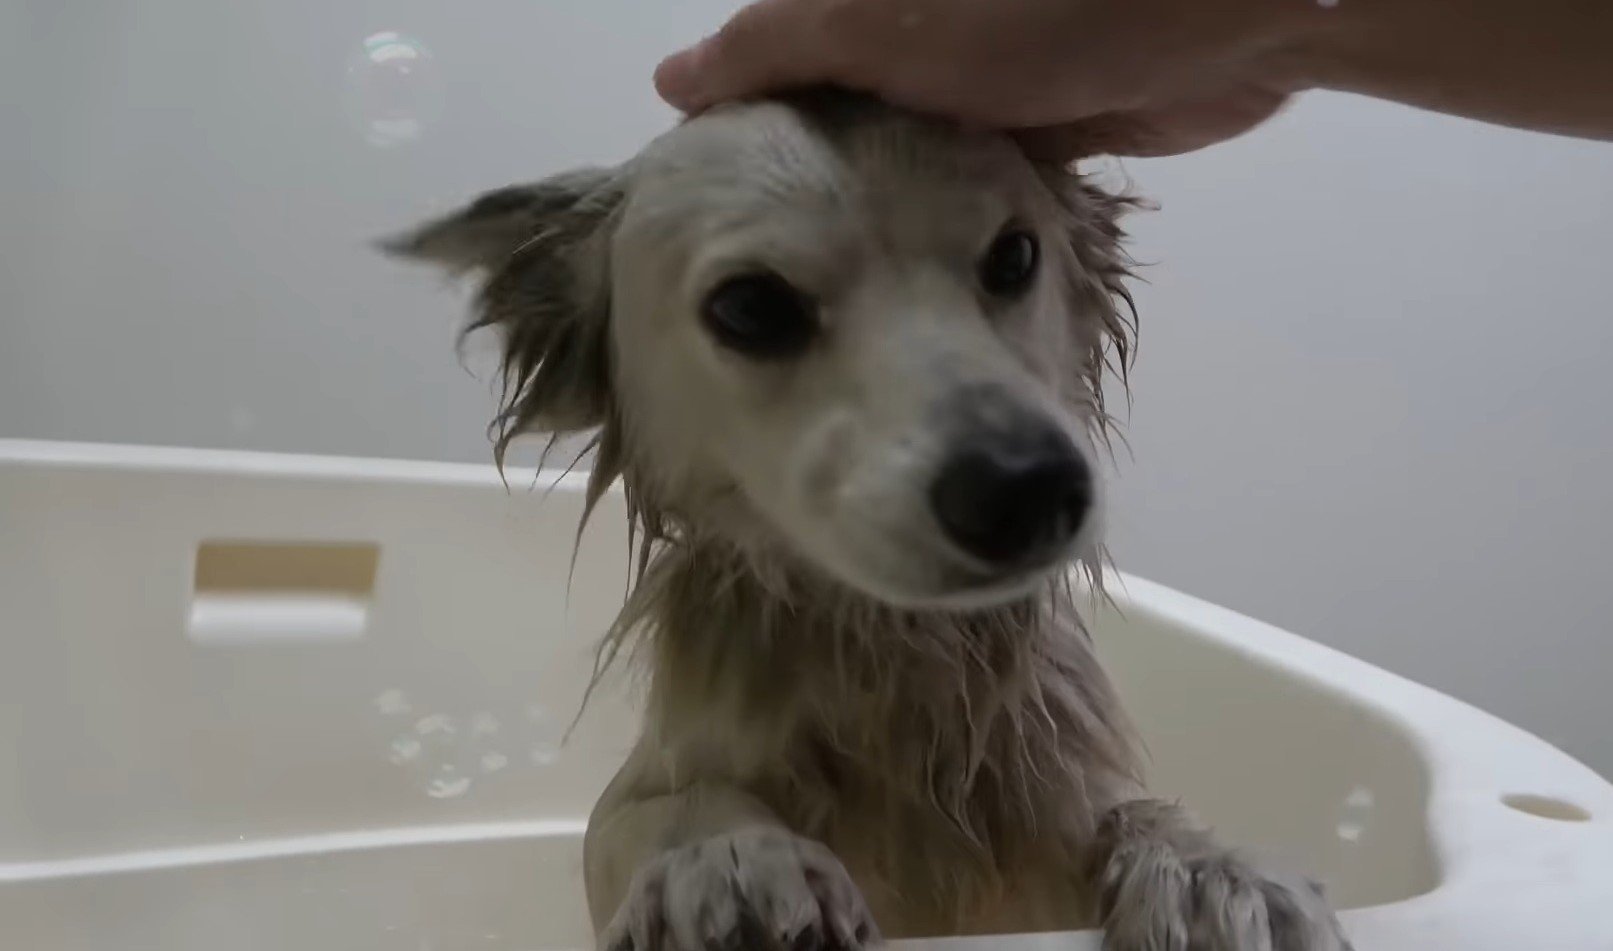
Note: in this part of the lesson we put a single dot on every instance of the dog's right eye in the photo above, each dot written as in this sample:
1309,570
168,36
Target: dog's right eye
761,316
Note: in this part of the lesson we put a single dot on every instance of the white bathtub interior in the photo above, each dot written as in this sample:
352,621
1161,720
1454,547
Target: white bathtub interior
404,785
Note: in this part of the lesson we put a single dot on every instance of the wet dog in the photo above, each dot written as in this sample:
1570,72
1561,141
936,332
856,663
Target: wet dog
848,364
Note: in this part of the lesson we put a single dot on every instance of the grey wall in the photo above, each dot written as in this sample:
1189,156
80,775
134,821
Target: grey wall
1373,399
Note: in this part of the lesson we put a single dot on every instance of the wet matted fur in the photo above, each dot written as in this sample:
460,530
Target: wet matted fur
851,727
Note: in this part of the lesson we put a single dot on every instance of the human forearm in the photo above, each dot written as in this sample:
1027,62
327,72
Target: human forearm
1545,65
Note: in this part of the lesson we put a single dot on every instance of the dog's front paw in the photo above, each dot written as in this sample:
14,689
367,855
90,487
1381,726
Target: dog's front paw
756,889
1153,900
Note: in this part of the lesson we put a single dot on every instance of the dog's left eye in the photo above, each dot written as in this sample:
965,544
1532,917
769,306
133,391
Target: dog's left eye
1009,266
760,315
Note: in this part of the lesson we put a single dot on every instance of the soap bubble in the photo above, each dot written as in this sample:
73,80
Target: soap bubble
545,754
484,724
1356,815
434,724
448,786
392,90
404,749
392,703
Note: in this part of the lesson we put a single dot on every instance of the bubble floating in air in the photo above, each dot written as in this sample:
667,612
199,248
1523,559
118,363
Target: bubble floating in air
392,89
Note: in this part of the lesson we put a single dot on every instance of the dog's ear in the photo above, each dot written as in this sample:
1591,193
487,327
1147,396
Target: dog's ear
541,254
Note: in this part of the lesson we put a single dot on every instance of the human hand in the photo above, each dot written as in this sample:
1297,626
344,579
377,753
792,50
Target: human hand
1074,77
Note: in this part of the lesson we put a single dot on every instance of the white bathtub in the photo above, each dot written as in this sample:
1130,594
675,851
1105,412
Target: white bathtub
311,704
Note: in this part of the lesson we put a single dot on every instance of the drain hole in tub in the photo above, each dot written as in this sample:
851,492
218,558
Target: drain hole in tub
1546,807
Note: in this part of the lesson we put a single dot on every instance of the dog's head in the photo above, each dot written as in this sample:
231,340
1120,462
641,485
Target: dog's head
824,329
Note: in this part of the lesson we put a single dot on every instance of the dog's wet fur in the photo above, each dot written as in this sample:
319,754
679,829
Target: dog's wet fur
870,711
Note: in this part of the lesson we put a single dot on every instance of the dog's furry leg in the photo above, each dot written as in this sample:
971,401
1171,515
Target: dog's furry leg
710,867
1165,884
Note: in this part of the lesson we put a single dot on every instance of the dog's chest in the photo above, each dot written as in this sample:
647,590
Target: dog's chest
976,868
1035,897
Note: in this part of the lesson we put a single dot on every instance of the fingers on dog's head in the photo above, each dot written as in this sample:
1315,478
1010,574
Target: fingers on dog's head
769,46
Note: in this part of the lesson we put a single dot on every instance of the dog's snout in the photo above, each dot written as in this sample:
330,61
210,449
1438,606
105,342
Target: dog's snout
1010,498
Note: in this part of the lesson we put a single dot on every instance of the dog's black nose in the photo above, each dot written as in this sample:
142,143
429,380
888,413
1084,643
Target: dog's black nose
1009,498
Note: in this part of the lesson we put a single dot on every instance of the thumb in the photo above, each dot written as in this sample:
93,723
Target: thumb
767,46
